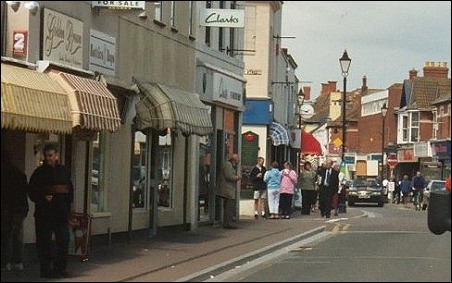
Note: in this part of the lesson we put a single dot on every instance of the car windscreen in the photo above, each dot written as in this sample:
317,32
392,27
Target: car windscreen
438,186
364,183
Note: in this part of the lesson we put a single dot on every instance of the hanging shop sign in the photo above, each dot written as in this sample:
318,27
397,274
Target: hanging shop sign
230,18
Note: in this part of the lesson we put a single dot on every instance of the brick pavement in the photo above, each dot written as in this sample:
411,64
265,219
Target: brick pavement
176,255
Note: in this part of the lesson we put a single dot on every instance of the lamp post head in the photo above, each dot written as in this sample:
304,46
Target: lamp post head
345,62
14,5
384,110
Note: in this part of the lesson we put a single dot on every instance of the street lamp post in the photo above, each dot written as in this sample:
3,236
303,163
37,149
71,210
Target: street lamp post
384,110
345,62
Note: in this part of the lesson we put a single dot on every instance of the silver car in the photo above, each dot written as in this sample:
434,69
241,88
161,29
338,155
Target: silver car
433,185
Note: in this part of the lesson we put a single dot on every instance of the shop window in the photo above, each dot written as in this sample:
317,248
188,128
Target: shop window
98,178
139,171
164,172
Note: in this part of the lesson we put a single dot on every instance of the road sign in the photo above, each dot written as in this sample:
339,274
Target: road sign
392,162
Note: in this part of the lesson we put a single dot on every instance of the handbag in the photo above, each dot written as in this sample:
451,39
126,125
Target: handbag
297,198
335,201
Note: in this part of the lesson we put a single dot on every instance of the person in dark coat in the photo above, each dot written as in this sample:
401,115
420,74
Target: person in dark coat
328,187
14,210
51,190
227,189
260,188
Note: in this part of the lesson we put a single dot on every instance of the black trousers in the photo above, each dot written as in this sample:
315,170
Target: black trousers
285,204
325,198
309,198
45,228
228,211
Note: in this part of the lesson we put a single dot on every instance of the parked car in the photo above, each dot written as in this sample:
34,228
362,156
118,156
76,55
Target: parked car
433,185
365,191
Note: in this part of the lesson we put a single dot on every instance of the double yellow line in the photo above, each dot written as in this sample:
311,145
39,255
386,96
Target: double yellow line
340,228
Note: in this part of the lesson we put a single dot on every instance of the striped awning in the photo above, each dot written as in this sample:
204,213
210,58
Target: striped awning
279,134
163,107
33,102
94,108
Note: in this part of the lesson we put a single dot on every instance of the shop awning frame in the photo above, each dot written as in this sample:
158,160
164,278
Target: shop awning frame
279,134
32,101
94,107
162,107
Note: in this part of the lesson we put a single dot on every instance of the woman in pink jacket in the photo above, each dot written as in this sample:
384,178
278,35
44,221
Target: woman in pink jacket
288,182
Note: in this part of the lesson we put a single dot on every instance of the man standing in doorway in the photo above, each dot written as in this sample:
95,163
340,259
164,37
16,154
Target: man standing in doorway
51,190
228,189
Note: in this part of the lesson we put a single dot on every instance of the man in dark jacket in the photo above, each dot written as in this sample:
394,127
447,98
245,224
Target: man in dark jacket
418,184
227,189
52,192
328,187
260,187
14,210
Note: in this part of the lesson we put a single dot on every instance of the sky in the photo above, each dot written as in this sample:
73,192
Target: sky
384,39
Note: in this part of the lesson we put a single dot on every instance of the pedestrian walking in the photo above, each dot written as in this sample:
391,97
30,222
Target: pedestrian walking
329,186
418,183
406,189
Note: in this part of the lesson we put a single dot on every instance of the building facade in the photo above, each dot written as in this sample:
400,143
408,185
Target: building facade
132,168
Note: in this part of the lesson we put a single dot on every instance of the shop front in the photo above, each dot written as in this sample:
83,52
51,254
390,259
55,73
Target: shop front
441,152
169,125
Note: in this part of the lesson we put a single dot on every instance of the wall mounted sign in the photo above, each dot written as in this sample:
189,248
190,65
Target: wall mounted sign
102,53
119,4
63,39
20,40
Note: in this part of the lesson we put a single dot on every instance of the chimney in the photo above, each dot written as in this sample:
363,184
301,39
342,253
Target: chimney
307,92
435,69
412,74
332,86
364,86
324,88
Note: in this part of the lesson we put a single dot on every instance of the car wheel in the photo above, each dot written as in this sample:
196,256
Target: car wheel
424,207
381,204
351,203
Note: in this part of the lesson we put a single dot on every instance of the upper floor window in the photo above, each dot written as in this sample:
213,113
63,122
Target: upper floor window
221,33
232,33
173,13
435,125
158,10
190,17
409,127
207,36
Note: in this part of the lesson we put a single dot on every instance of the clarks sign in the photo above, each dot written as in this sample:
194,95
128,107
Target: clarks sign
230,18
